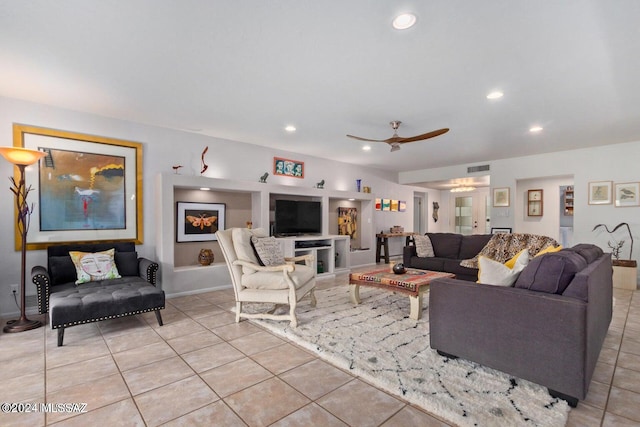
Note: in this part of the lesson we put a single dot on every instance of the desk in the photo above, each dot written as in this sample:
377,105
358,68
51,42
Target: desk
382,240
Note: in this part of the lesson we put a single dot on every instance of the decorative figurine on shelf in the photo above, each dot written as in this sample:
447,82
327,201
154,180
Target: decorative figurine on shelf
175,168
320,184
204,165
264,177
205,257
249,224
399,268
434,215
358,184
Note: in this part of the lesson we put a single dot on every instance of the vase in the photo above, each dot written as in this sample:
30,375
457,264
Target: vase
205,257
358,183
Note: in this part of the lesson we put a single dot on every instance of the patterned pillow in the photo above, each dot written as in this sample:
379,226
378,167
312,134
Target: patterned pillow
424,248
94,266
268,250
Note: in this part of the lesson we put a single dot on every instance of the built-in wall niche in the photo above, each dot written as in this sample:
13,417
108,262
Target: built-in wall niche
237,213
334,205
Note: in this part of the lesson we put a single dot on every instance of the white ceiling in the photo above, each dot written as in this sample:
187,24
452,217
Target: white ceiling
243,69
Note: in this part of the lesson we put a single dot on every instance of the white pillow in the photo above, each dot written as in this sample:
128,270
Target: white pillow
424,248
495,273
241,238
268,250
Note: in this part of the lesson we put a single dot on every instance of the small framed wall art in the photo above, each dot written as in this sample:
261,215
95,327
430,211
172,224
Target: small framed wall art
627,194
499,230
501,197
287,167
534,202
600,193
198,222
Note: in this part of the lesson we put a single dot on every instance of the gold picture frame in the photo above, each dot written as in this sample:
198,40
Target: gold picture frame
600,193
501,197
89,186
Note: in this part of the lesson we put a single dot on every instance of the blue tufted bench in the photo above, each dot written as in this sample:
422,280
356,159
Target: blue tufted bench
69,304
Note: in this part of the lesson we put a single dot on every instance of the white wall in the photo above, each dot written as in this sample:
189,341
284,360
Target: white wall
164,148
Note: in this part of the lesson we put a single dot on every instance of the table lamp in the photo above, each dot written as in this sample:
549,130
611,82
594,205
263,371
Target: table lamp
22,157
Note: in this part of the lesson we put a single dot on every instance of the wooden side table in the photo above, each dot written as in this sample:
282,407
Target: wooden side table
382,242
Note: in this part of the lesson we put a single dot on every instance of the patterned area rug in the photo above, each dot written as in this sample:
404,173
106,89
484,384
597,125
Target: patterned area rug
377,341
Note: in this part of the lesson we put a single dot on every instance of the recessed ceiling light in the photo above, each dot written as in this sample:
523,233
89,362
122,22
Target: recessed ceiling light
290,128
366,148
495,95
534,129
351,199
404,21
205,188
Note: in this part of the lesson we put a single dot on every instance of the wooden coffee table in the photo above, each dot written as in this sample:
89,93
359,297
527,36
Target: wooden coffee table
413,283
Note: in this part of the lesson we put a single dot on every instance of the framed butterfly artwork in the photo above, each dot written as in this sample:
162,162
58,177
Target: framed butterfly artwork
198,222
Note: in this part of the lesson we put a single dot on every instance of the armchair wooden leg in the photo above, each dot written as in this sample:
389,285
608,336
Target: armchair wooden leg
238,310
60,336
159,317
312,294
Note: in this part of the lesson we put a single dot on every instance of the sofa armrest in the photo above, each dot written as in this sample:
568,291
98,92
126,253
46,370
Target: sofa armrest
536,336
40,277
407,252
148,270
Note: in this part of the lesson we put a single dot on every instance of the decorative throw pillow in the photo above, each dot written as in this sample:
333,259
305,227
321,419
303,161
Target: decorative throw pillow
495,273
549,250
510,263
424,248
92,266
241,238
268,250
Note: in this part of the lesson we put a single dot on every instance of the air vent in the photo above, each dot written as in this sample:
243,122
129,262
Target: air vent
481,168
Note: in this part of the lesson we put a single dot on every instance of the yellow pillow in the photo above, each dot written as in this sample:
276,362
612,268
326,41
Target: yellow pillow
511,262
94,266
548,250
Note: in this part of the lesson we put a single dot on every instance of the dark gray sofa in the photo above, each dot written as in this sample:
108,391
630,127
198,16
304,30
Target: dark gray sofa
449,249
548,328
69,304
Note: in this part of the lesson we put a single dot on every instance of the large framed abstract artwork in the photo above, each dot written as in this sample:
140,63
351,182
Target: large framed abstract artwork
87,189
198,222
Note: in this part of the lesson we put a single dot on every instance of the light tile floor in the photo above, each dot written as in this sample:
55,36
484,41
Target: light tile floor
201,368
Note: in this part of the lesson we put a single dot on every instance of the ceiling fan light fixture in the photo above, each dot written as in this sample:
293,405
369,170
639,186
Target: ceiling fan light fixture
404,21
394,146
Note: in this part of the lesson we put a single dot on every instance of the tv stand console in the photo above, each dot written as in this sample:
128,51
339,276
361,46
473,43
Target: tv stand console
330,253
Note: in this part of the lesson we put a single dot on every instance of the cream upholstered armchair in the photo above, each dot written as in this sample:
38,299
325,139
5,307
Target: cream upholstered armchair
280,280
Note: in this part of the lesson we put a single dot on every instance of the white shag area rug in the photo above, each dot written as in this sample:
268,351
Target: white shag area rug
378,342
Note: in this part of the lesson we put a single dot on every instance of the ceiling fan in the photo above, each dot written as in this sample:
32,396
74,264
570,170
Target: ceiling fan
396,140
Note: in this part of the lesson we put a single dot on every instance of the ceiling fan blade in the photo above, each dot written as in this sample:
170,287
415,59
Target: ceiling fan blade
366,139
422,136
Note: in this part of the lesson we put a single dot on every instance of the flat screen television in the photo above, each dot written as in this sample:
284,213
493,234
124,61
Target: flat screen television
295,217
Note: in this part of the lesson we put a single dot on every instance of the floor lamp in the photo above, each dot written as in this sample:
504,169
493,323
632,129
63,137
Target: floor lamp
22,157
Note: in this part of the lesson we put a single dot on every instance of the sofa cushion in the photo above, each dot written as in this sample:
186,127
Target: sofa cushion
268,250
61,270
94,266
587,251
496,273
446,245
424,248
551,273
433,264
471,246
127,263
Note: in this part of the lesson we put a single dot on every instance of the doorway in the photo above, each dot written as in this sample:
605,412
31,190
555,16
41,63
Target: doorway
471,214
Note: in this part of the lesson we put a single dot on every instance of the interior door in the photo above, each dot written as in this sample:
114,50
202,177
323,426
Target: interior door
471,214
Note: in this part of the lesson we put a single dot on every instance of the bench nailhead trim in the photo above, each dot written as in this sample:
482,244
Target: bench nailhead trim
80,322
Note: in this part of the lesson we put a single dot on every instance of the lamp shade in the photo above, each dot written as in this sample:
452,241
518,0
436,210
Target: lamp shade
21,156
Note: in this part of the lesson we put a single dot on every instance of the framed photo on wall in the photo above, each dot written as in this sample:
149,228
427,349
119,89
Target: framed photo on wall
627,194
600,193
501,197
198,222
288,167
87,188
